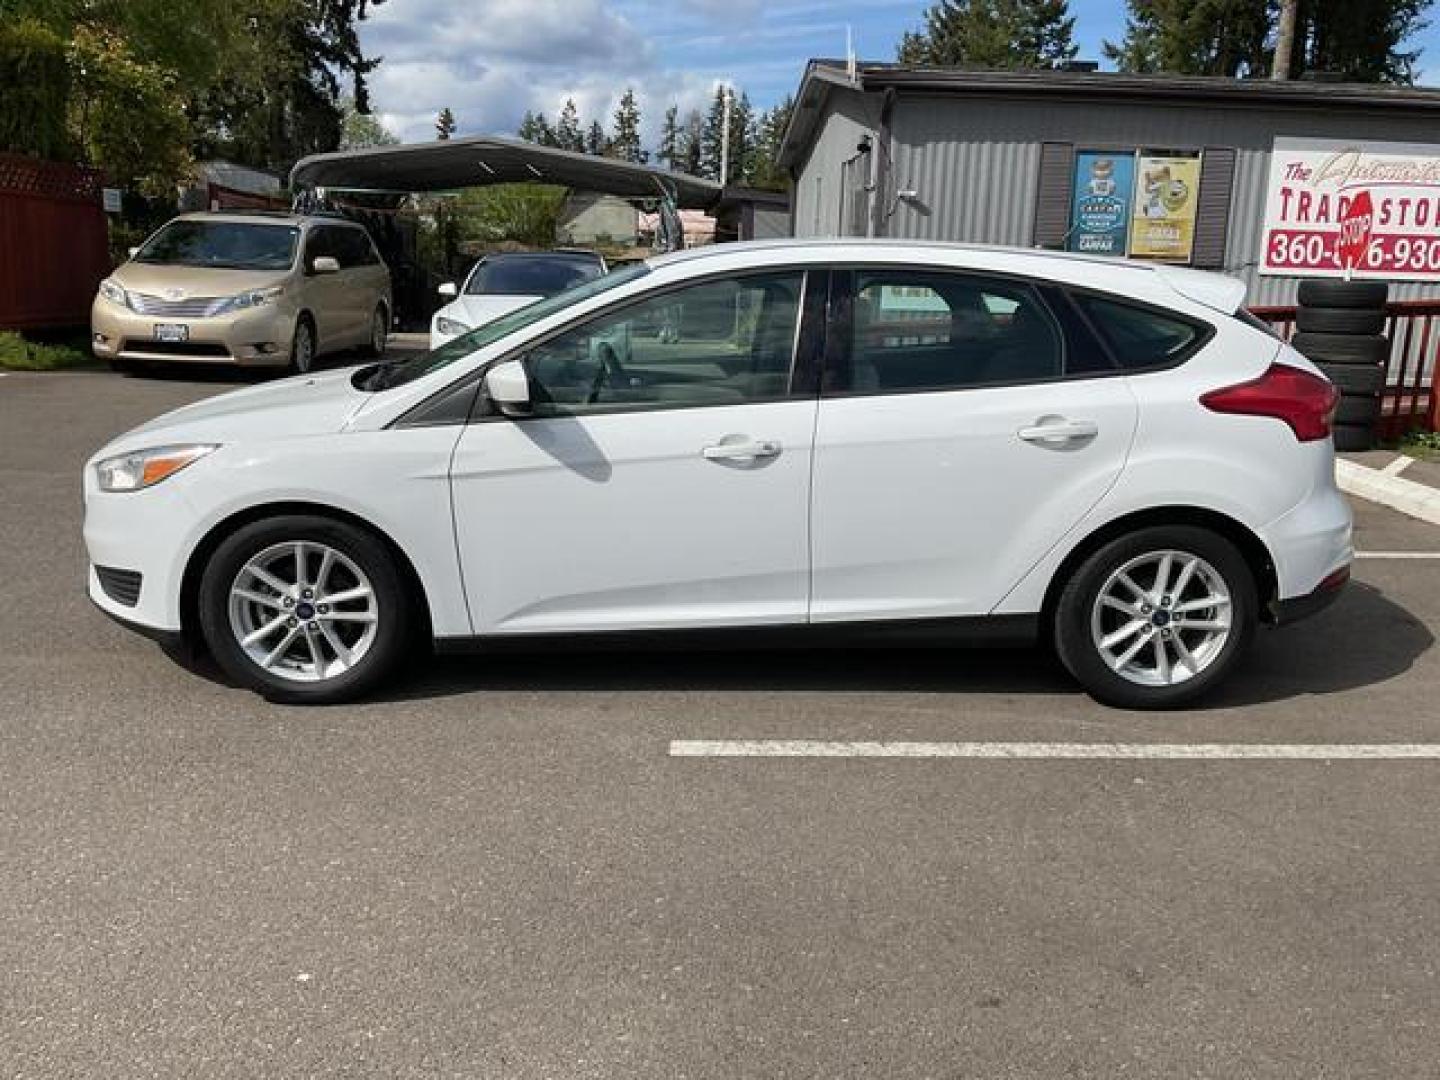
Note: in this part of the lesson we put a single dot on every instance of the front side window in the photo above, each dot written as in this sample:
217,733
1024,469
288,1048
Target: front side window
915,331
721,342
224,245
1140,337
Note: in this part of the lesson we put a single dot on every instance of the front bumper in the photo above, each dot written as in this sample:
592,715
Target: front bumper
145,532
256,337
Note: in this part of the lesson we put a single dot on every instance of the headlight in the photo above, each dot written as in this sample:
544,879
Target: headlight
253,298
450,326
113,291
145,468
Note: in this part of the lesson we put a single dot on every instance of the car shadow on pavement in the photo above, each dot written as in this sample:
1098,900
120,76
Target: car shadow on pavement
1364,639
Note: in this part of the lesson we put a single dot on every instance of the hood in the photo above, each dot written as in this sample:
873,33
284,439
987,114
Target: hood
156,278
478,310
290,408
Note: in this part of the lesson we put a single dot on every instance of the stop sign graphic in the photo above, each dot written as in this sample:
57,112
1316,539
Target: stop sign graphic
1355,225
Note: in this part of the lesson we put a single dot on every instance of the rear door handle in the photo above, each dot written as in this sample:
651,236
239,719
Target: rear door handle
741,450
1059,430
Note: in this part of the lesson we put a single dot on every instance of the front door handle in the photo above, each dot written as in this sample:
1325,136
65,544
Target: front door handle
741,448
1056,430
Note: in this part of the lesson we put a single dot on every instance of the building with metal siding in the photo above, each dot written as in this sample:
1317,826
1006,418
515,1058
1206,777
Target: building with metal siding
962,155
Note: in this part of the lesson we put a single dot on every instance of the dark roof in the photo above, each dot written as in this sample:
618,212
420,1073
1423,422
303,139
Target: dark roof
735,195
448,164
821,76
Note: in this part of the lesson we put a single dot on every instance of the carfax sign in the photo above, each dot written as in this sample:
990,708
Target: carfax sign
1100,204
1338,207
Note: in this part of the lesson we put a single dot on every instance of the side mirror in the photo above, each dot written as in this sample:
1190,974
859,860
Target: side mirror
324,264
448,290
133,251
508,387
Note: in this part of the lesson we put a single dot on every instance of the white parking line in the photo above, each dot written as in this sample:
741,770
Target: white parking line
1397,554
812,748
1399,465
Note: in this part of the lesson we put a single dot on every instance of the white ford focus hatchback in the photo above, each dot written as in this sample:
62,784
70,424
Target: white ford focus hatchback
813,441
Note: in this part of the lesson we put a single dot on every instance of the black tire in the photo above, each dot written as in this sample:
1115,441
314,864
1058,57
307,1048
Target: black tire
1314,320
1072,626
393,607
302,363
1354,437
376,345
1355,378
1343,348
1361,409
1328,293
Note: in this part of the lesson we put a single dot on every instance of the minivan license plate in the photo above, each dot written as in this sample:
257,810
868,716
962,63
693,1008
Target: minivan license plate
172,332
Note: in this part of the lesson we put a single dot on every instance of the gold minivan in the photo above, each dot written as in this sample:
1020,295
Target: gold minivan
259,289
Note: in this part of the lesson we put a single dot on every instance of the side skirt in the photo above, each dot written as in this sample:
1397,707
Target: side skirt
994,631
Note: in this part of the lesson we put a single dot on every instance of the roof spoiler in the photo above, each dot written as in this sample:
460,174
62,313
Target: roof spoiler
1219,291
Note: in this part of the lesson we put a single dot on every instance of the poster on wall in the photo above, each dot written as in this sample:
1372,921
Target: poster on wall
1163,220
1337,208
1100,202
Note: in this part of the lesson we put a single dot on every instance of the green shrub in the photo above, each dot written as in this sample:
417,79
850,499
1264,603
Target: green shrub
20,353
36,76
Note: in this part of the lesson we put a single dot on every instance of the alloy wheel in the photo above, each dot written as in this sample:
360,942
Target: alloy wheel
1161,618
303,611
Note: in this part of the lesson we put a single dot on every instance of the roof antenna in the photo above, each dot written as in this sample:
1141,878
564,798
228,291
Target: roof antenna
850,70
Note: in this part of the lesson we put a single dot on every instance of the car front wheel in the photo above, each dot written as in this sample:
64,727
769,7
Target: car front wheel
304,609
1157,618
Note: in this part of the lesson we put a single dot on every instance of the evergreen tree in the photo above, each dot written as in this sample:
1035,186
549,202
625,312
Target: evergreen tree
668,153
1196,37
567,128
445,124
1363,40
595,139
992,34
625,144
742,139
765,171
691,150
711,134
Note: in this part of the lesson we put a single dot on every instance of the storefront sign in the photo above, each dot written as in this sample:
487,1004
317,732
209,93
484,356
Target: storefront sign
1334,207
1163,220
1100,204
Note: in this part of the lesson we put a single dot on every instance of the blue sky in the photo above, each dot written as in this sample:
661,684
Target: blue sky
491,60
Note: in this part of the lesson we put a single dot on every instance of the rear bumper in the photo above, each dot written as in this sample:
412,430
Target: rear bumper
1285,612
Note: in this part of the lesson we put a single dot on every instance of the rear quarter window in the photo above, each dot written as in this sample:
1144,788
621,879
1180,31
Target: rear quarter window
1141,338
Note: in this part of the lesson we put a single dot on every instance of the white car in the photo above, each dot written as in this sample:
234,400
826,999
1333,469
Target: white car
500,283
823,441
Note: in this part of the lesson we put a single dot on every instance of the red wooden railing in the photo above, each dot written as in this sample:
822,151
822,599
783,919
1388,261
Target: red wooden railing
1412,384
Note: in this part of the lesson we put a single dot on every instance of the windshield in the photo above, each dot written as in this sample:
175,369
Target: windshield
387,377
530,275
228,245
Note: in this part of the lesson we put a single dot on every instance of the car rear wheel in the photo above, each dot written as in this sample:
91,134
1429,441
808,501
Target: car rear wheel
304,609
1156,619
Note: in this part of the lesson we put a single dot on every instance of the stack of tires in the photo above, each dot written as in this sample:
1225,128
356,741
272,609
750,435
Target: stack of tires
1340,326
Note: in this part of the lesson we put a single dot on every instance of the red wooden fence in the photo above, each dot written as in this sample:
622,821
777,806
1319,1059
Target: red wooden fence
53,243
1412,385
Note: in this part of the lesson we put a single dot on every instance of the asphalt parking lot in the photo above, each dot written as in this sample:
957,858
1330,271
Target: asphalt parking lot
500,870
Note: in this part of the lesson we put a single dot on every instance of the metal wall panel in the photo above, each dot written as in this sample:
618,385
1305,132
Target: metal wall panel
821,202
973,163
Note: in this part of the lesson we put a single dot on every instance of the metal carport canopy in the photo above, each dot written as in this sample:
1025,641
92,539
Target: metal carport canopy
448,164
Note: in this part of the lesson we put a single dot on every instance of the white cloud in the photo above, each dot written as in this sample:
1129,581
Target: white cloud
491,61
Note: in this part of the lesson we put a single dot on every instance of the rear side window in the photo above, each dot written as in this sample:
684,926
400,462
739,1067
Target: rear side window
1140,338
921,330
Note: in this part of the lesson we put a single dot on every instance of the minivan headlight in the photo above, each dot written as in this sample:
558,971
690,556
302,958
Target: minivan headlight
113,291
450,326
146,468
250,299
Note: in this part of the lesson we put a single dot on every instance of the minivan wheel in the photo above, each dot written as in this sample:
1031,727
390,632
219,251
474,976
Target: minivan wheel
304,609
302,347
379,332
1157,618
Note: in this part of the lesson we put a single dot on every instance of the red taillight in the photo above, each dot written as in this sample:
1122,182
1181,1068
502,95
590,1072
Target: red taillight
1304,401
